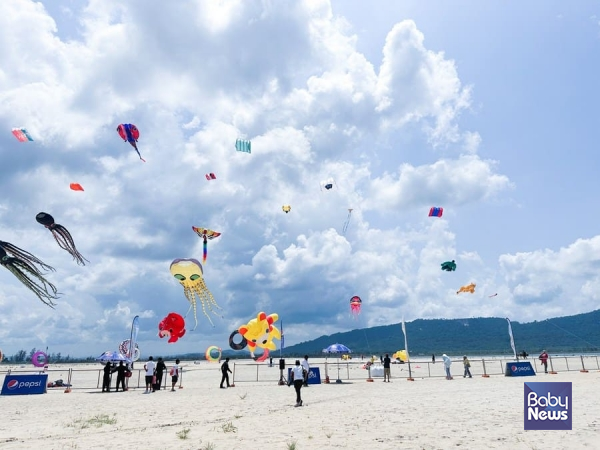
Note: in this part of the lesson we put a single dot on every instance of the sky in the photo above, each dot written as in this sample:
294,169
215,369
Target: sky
487,109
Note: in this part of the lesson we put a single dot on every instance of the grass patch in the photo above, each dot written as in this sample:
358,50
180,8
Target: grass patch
243,396
229,427
183,434
208,446
94,421
291,445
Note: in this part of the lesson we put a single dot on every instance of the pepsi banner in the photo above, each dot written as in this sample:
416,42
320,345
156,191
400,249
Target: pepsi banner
24,384
314,375
519,369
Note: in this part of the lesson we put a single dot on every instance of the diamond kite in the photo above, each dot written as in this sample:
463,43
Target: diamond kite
21,134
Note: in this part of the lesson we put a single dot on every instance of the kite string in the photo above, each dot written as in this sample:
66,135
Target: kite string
573,334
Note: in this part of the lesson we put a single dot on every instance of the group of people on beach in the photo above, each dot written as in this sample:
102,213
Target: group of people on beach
153,371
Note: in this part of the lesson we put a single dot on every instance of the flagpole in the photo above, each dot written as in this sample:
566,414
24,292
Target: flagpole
410,378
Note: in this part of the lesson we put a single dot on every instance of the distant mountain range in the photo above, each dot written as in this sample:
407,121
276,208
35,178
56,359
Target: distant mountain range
474,336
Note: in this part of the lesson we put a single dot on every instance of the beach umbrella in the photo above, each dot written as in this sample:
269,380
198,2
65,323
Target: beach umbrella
337,348
112,357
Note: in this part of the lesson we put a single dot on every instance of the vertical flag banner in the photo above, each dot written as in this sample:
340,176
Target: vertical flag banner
512,341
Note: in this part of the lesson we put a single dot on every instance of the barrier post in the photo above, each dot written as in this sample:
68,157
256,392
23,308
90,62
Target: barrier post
233,377
583,370
485,375
326,373
552,372
410,378
370,380
180,377
68,389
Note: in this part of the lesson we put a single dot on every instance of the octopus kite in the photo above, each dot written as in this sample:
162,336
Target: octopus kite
206,235
62,236
22,265
449,266
468,288
189,273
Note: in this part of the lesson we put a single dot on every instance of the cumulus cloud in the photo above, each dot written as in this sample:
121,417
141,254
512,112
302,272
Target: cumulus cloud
194,77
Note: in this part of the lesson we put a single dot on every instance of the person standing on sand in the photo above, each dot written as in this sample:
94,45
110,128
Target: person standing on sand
150,368
433,358
467,365
106,378
225,370
447,364
160,370
306,369
121,369
544,360
297,377
387,368
174,375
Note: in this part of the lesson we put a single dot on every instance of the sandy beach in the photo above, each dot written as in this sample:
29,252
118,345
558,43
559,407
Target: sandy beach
428,413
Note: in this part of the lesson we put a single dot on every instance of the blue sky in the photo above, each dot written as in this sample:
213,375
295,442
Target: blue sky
488,109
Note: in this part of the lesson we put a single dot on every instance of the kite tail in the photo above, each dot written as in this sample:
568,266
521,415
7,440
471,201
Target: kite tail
25,256
204,250
65,241
44,290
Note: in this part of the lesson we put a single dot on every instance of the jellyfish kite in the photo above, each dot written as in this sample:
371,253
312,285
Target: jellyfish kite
347,222
22,265
62,236
130,133
436,212
189,274
243,145
355,304
206,235
468,288
449,266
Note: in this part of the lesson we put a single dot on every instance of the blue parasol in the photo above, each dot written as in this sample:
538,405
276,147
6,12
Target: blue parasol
112,357
337,348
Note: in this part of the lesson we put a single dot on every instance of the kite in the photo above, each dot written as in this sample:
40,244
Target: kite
210,176
347,222
189,274
62,236
212,350
130,133
449,266
328,184
172,326
286,208
75,187
22,265
124,350
468,288
436,212
401,355
355,304
242,145
21,134
490,296
259,332
39,359
206,235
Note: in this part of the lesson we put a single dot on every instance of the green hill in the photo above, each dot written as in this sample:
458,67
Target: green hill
480,336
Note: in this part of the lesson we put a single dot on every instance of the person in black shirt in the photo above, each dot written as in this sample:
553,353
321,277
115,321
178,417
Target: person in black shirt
386,368
121,369
106,379
226,371
160,369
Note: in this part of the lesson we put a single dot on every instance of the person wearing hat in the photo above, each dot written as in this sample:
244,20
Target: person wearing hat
447,364
297,377
544,360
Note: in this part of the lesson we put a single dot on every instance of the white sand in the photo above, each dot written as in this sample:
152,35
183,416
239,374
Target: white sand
429,413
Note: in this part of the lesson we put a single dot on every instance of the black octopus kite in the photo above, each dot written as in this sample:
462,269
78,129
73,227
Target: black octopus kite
62,236
22,265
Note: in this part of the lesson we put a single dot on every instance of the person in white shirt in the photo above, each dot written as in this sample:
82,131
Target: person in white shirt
174,375
306,369
150,368
298,379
